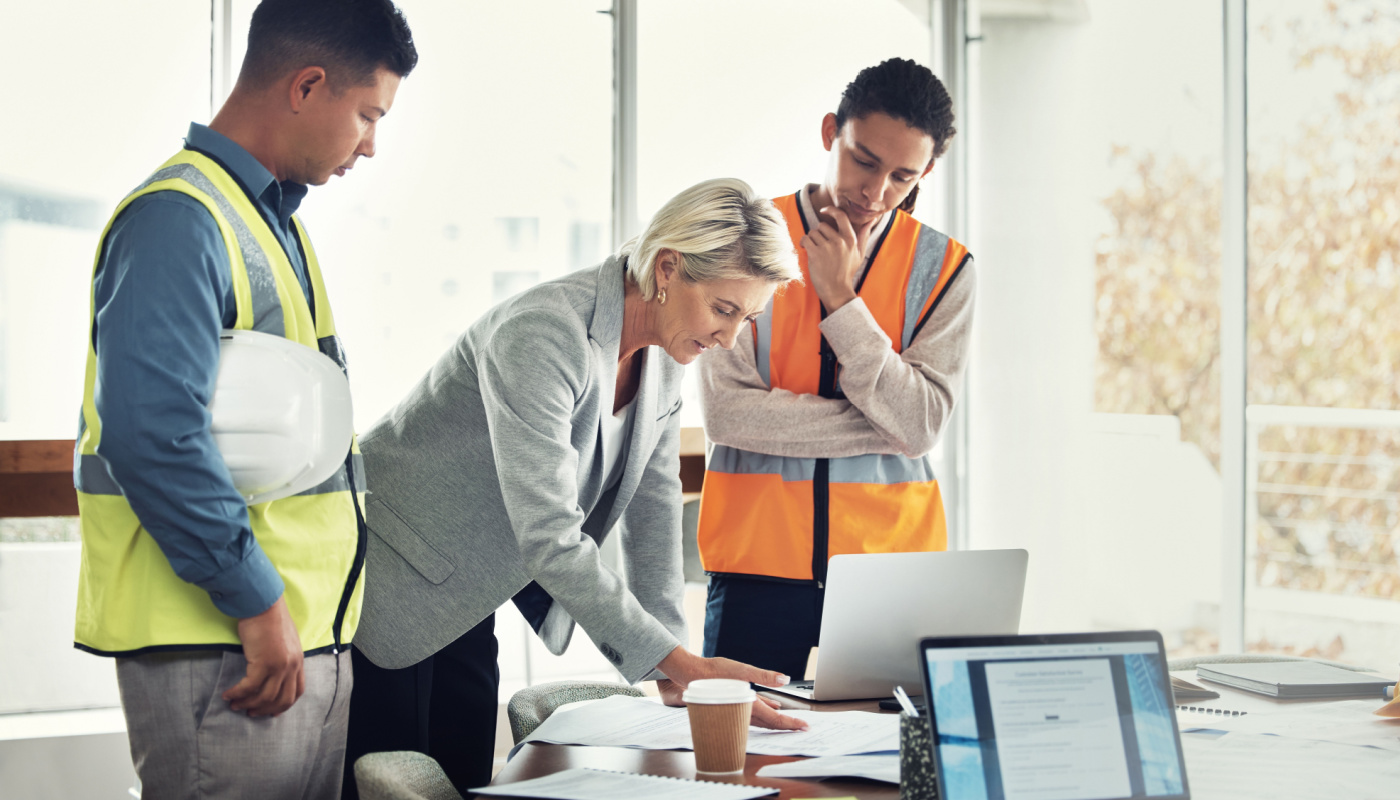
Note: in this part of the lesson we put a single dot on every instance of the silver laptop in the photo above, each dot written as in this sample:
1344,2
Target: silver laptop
879,605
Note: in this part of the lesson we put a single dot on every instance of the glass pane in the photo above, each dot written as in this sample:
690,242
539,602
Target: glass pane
1321,576
111,89
493,173
118,90
1095,436
720,95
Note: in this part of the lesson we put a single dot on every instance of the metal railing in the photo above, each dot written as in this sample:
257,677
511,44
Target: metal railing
1322,491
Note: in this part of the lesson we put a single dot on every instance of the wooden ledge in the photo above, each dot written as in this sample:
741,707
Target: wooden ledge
36,479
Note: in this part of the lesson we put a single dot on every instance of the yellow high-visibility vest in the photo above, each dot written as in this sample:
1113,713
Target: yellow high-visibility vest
781,517
129,598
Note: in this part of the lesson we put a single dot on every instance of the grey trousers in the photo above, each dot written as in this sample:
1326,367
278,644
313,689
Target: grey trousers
187,743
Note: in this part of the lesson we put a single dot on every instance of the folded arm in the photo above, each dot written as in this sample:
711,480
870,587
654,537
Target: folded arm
906,397
741,411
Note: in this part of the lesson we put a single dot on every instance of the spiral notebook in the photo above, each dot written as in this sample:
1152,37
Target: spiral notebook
599,784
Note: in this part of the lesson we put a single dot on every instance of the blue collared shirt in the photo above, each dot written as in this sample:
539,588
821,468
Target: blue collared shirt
162,292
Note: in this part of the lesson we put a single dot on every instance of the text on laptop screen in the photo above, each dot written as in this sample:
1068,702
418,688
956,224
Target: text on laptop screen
1054,722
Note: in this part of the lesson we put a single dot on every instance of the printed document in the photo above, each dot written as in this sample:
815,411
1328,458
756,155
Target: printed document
1242,766
1058,731
1340,721
883,768
596,784
621,721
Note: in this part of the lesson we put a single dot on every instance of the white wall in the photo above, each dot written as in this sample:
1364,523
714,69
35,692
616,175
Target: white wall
40,669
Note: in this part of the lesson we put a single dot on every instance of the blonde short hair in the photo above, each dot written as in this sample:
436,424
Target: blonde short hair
721,230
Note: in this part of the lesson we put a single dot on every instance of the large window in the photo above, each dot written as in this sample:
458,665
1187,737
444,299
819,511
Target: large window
1104,364
115,94
1323,434
493,173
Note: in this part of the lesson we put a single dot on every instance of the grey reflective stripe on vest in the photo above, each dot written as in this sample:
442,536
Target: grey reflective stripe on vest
877,469
929,252
91,476
267,309
763,341
741,462
338,482
882,469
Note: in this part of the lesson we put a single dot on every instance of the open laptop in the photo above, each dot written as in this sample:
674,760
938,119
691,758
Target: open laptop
1077,716
879,604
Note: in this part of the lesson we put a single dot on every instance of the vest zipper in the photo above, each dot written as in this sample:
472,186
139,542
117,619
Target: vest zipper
821,492
361,542
826,387
821,521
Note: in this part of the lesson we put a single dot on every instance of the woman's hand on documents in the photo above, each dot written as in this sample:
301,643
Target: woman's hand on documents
682,667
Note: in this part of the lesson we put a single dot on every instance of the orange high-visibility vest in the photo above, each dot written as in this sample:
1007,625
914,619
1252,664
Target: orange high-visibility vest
781,517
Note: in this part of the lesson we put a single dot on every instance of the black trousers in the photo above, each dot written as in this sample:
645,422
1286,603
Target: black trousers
444,706
768,624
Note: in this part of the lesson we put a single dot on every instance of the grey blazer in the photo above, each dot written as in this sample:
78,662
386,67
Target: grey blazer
488,476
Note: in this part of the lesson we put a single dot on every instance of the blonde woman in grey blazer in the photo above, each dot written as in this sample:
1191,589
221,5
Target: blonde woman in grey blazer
551,424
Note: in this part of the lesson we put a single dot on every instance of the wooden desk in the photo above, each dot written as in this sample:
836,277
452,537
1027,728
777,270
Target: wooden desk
536,760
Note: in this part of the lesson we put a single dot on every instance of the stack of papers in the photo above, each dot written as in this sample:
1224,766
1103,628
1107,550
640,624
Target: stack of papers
1346,722
621,721
598,784
883,768
1243,766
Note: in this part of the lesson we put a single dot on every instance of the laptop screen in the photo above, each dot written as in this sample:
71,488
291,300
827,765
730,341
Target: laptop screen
1064,717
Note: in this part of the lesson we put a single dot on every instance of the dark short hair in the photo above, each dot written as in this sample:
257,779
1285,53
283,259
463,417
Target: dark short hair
350,39
906,91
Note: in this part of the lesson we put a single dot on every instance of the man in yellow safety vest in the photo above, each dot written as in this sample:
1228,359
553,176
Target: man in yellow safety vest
229,623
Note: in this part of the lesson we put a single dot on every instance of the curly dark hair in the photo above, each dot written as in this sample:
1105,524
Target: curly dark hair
350,39
907,91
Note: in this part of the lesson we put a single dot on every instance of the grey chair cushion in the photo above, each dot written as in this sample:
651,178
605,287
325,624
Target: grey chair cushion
402,775
1251,658
532,706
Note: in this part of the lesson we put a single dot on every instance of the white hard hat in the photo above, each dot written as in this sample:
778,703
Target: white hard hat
281,415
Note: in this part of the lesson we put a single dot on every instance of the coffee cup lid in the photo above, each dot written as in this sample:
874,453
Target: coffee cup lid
713,691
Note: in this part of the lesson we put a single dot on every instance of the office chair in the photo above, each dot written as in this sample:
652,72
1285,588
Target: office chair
1252,658
531,706
404,775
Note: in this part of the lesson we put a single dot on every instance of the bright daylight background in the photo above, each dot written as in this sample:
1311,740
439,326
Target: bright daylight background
1094,133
